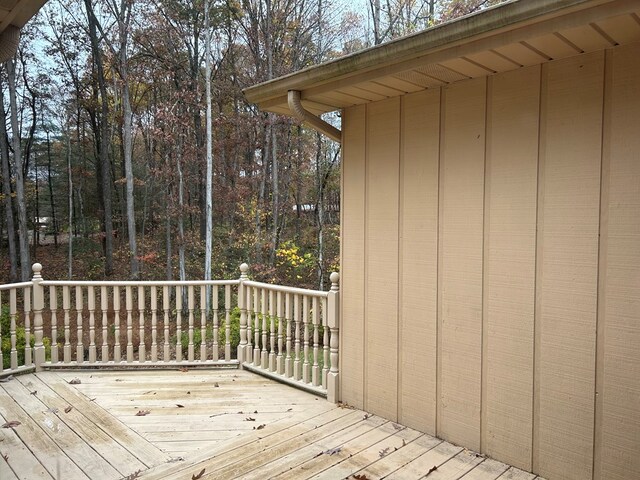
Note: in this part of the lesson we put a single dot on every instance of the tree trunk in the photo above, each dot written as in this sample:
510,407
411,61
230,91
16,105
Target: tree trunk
7,193
70,196
52,203
209,178
23,234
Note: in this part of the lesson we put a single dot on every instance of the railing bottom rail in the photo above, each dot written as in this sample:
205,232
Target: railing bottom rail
321,392
209,364
21,370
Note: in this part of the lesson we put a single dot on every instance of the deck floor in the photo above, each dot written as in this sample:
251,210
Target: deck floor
222,423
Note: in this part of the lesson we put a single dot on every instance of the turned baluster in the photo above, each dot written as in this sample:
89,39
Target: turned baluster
280,319
288,361
242,305
191,306
203,322
104,306
333,320
264,360
142,345
315,369
13,314
305,318
247,301
53,307
1,333
166,354
325,344
154,323
297,365
216,322
66,308
227,322
117,349
28,360
91,304
179,323
129,307
272,331
256,327
79,339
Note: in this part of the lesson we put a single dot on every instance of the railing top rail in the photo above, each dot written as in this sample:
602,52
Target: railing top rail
282,288
137,283
11,286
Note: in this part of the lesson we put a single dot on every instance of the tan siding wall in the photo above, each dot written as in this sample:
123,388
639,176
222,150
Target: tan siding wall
460,262
491,286
419,259
511,188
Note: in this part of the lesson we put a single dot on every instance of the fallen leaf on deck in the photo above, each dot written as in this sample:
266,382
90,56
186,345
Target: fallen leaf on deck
332,451
11,424
75,381
255,411
35,392
6,379
396,426
432,469
188,393
383,452
6,457
289,409
184,369
52,410
360,477
68,409
179,406
175,459
133,476
119,380
93,399
366,415
216,385
240,412
197,476
249,419
404,442
260,427
142,413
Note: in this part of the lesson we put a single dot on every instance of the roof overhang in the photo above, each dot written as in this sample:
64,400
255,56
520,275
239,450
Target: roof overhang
512,35
14,14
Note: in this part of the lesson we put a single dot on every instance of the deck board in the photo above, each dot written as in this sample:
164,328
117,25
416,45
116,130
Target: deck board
300,435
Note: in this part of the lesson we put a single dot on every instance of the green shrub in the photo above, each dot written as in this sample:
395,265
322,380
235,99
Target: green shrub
222,334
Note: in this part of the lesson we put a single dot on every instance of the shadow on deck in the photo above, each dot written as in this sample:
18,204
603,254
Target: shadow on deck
224,423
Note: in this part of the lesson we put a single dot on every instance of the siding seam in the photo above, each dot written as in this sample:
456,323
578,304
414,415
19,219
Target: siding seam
399,323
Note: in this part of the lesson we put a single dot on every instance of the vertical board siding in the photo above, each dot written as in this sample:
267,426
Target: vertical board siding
619,389
491,289
353,248
461,232
419,247
382,178
568,266
510,249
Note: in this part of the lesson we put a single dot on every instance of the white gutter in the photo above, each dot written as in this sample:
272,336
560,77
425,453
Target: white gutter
310,119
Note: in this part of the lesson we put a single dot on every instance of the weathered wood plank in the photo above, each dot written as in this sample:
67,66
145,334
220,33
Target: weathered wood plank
396,440
514,473
85,427
21,463
421,465
489,469
147,453
48,453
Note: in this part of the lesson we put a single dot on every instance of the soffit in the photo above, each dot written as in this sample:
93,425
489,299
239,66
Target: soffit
514,35
17,12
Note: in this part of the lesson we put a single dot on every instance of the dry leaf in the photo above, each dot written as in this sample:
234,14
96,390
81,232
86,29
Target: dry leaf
179,406
396,426
404,442
142,413
289,409
35,392
197,476
11,424
332,451
216,384
52,410
188,393
260,427
249,419
133,476
362,476
6,379
255,411
383,452
184,369
432,469
366,415
6,457
119,380
68,409
75,381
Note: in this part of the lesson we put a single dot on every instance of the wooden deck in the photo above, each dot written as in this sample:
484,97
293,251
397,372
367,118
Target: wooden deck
226,424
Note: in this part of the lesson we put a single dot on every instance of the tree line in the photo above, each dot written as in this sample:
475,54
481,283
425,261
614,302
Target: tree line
126,142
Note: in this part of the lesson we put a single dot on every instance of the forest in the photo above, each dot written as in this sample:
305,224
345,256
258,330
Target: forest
129,152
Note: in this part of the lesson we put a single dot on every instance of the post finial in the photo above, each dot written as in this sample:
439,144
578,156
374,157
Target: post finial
335,279
37,268
244,268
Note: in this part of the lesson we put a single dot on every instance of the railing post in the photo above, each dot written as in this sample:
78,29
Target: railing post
333,320
38,306
242,304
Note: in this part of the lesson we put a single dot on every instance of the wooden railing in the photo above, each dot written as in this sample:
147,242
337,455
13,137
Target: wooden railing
288,333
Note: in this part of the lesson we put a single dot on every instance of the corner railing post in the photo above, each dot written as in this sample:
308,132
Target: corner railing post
242,305
38,306
333,320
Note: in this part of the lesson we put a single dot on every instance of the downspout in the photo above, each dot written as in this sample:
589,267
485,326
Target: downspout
310,119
